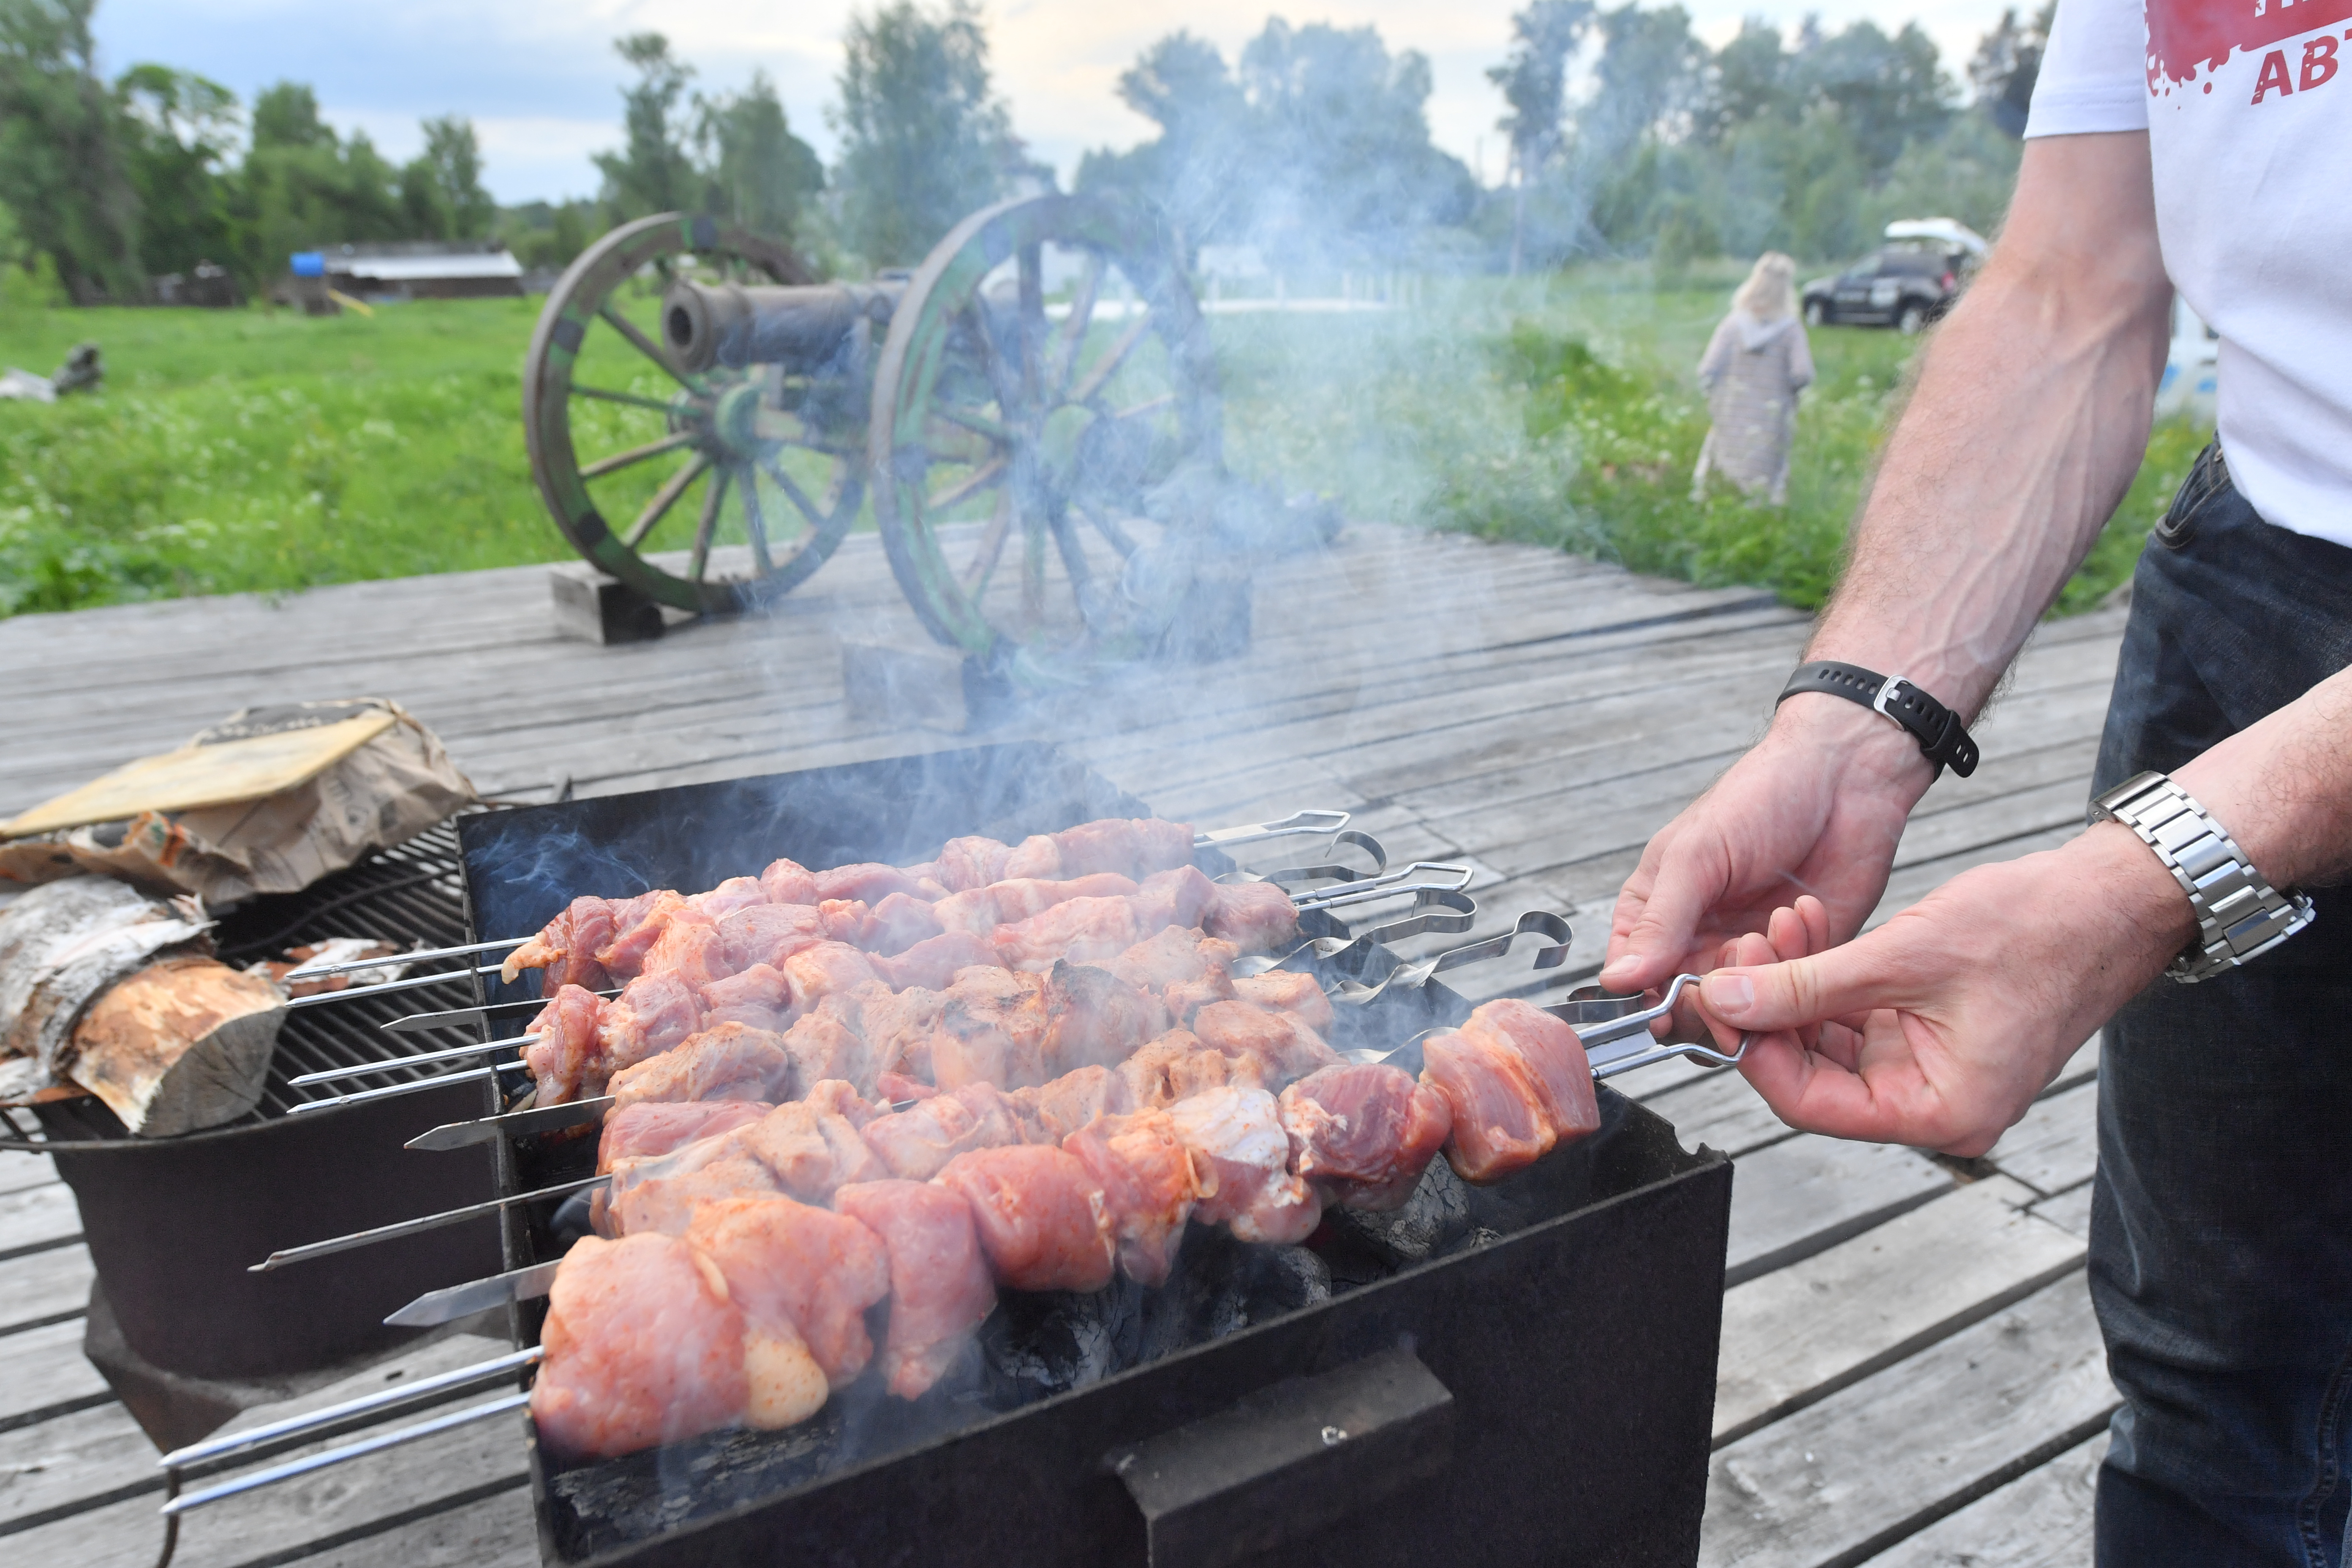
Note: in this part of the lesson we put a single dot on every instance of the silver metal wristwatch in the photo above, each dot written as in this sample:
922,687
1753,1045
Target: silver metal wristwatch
2239,915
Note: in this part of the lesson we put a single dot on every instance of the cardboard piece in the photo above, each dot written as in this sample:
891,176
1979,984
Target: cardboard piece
248,767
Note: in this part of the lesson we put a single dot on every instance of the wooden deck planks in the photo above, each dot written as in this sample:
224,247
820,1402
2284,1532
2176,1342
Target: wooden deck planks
2042,1519
1536,715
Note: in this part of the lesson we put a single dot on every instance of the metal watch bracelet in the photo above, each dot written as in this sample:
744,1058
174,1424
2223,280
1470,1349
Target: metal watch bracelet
2239,915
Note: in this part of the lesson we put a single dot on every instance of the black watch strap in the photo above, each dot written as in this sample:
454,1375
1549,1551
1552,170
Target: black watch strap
1942,737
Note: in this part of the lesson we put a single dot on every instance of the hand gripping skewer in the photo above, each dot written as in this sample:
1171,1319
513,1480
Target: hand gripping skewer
1630,1036
1299,824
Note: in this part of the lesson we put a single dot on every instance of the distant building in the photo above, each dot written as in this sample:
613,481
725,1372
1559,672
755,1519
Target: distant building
407,270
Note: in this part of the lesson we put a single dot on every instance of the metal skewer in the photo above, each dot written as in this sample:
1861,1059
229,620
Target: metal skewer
394,1090
1445,876
413,983
376,1444
422,1058
537,1119
452,1302
1408,976
366,1405
417,1023
309,1250
319,970
1299,824
1636,1027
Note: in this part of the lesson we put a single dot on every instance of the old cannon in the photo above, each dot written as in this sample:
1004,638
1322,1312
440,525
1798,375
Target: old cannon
1042,456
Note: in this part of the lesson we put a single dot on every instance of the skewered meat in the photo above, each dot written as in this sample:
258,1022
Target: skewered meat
1150,1181
759,997
1053,1111
981,909
661,1194
870,883
1182,966
857,1035
566,947
644,1346
734,893
807,1272
568,1029
897,1027
1040,1216
810,1146
637,926
968,863
1093,1019
787,882
1284,991
932,962
1283,1048
657,1127
899,1089
1239,1131
689,949
918,1142
653,1013
771,933
1177,1066
940,1290
1517,1083
899,921
1256,917
991,1030
1363,1134
1133,848
828,967
729,1061
1089,929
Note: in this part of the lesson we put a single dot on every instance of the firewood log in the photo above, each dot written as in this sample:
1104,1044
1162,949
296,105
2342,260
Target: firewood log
181,1044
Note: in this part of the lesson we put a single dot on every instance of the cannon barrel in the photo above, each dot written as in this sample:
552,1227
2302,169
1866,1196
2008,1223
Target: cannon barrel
801,327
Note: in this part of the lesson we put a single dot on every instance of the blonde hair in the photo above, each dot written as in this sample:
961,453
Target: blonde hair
1770,292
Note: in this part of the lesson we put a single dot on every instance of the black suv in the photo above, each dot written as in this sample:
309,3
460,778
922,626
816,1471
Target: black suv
1900,286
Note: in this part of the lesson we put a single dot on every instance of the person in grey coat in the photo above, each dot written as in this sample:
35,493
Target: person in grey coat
1754,367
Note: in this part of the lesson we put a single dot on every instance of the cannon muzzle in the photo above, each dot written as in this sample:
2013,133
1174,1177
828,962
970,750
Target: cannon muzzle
802,327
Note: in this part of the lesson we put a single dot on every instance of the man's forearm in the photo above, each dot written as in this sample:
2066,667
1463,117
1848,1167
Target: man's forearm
2028,421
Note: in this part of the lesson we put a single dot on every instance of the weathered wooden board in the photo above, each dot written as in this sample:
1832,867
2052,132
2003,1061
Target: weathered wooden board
1796,1336
2056,1146
18,1172
42,1368
2042,1519
1883,1458
43,1287
1721,1110
2070,1211
72,1463
1800,1197
37,1217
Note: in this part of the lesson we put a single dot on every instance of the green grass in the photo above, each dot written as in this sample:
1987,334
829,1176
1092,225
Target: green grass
271,451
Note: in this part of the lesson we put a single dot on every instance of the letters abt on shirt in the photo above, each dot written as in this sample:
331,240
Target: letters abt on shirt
2190,40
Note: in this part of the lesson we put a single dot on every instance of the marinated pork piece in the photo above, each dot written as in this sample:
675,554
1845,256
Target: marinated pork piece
828,1044
657,1127
1363,1134
819,971
992,1029
1239,1131
1282,991
1083,931
808,1146
659,1195
899,921
1093,1019
691,949
1131,846
900,1089
1283,1048
569,1029
771,933
917,1143
980,911
761,998
734,893
1180,898
566,948
727,1061
968,863
635,928
1177,1066
1040,1217
941,1291
1514,1087
1256,917
869,883
1151,1180
643,1347
806,1273
1182,966
653,1013
898,1027
1053,1111
787,882
932,964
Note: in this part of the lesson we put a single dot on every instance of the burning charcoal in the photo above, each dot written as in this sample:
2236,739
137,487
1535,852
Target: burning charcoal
1432,1219
1220,1286
1049,1343
611,1503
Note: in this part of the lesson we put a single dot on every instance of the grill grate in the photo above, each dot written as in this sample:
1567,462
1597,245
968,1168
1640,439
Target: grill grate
412,895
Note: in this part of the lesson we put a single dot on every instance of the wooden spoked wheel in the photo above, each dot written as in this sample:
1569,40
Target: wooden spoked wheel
753,474
1031,449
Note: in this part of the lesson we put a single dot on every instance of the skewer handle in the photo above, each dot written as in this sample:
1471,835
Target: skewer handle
1299,824
317,971
418,1059
414,982
376,1444
366,1405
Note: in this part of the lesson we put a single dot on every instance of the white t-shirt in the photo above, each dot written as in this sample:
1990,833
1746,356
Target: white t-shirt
2248,108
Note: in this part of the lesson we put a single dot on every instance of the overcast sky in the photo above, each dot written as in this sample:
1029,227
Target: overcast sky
542,83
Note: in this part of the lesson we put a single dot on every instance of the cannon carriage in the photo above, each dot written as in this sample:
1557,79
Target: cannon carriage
1045,473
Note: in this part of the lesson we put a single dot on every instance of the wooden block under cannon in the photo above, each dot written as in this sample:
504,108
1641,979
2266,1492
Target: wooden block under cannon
179,1045
596,609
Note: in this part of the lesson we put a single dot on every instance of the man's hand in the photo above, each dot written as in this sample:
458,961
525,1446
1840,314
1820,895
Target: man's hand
1938,1028
1815,809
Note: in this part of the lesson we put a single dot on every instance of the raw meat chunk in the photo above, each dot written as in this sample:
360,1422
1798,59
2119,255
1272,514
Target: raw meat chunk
1518,1084
900,922
734,893
1283,1048
1150,1181
918,1142
808,1146
731,1062
809,1272
968,863
787,882
1052,1111
828,967
992,1029
770,933
760,998
1283,991
980,911
1181,966
940,1290
1040,1217
644,1347
1093,1019
1555,1056
658,1126
1256,917
1081,930
1363,1134
570,1044
867,882
1177,1066
1177,898
1239,1131
932,964
652,1014
661,1194
636,927
566,948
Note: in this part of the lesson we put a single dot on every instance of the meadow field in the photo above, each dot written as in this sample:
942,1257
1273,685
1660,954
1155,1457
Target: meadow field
259,450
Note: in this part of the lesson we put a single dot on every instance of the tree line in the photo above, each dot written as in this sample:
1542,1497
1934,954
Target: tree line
1626,135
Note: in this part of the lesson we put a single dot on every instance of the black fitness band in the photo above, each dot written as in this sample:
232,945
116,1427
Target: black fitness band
1942,737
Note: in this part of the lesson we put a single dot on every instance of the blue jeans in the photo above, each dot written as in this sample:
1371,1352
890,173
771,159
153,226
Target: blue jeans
2221,1221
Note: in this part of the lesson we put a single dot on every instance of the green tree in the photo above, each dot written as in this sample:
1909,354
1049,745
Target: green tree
177,130
1181,84
651,173
441,194
1534,83
302,186
757,173
61,169
924,139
